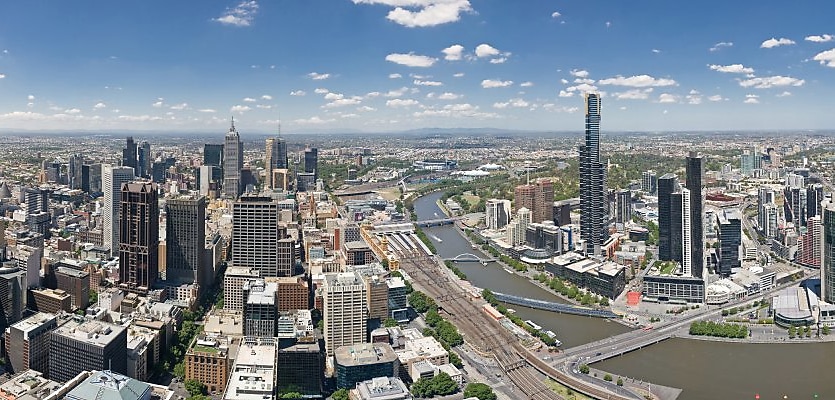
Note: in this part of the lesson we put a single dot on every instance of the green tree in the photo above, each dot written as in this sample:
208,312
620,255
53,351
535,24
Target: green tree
194,387
584,369
620,381
341,394
390,323
825,330
480,391
290,395
180,371
94,297
607,378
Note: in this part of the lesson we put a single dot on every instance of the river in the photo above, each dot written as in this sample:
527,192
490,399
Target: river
704,370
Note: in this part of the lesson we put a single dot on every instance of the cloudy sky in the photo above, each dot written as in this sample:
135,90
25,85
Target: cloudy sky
390,65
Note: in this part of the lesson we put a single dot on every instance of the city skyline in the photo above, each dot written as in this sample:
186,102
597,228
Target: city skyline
393,65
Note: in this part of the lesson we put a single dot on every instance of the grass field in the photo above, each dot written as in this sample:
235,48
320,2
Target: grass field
565,392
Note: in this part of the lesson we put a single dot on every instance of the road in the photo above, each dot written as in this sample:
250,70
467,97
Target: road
617,345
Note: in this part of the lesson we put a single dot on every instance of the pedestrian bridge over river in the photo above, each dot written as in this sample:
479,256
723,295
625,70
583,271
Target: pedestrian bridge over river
555,307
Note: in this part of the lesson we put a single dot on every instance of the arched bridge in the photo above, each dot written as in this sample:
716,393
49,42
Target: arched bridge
469,257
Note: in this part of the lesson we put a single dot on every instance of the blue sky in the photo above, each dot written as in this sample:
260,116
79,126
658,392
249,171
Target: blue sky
390,65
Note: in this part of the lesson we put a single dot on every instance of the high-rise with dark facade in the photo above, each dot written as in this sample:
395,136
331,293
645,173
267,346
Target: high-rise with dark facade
623,206
185,241
593,206
233,163
828,253
143,161
669,238
129,153
213,154
138,237
275,158
87,346
311,160
730,240
695,171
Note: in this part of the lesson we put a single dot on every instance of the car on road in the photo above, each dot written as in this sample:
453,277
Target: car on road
598,354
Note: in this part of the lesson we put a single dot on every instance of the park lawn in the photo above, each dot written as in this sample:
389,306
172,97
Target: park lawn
564,391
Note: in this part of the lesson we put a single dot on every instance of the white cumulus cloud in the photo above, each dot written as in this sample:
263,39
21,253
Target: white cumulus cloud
820,38
494,83
751,99
249,100
395,76
500,60
767,82
526,84
411,60
580,73
449,96
241,15
732,69
637,81
634,94
422,13
458,74
453,53
715,97
555,14
266,97
395,103
776,42
317,76
826,58
298,93
485,50
321,91
98,105
785,94
207,110
667,98
419,82
239,109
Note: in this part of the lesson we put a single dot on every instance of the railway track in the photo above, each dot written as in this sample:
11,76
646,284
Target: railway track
482,332
478,329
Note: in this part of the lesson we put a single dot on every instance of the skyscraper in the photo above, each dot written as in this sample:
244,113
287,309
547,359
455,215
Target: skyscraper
213,154
233,162
129,154
694,169
814,197
345,310
623,206
669,218
593,205
649,182
828,253
74,167
143,163
687,257
538,198
112,180
258,239
311,160
497,213
138,237
730,240
275,158
185,241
